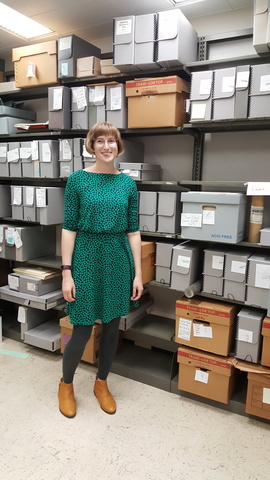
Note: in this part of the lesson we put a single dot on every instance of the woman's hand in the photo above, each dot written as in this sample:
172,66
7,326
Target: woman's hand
137,288
68,287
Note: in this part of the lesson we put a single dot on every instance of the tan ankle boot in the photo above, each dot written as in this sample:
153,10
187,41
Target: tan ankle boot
67,403
105,398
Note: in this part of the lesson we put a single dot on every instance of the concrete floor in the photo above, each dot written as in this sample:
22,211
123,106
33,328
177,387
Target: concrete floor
154,435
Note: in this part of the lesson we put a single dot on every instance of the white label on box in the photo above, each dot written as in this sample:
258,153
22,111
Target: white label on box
97,95
258,188
34,148
32,287
238,267
217,262
29,193
64,42
262,276
123,26
133,173
64,69
1,234
13,155
21,314
66,150
14,282
41,197
205,86
209,217
242,79
25,152
200,330
265,83
36,168
256,215
228,84
3,152
31,70
9,236
116,98
46,152
198,111
17,196
266,395
201,376
245,335
57,99
191,220
183,261
17,239
184,329
79,97
51,305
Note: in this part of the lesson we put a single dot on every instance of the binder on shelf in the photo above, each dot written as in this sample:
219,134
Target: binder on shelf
59,107
70,48
145,41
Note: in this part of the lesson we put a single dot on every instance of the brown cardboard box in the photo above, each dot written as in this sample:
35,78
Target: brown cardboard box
35,64
1,76
207,325
107,67
258,395
157,102
266,342
207,375
148,261
90,354
88,67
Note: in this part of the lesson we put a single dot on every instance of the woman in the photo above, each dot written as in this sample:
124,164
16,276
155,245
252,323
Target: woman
101,255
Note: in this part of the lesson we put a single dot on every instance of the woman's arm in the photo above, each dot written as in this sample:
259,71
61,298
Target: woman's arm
67,247
134,239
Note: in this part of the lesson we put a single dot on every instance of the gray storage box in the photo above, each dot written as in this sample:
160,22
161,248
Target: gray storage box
265,237
248,334
123,43
47,336
50,205
97,112
258,280
236,263
33,286
234,290
66,157
148,211
133,153
261,34
145,41
17,202
7,124
29,155
59,99
140,171
213,285
31,317
163,262
13,157
116,105
2,240
214,261
6,111
29,204
28,242
77,163
259,102
201,96
168,213
257,297
177,39
70,48
5,201
43,302
214,216
136,314
80,117
230,97
4,165
78,144
49,158
186,265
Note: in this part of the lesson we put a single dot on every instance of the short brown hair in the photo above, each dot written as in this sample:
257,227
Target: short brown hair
103,128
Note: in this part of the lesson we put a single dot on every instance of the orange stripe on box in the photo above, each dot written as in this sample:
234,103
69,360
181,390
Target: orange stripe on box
209,361
152,82
266,325
206,311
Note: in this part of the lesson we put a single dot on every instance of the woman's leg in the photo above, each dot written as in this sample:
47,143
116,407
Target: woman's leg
74,350
107,347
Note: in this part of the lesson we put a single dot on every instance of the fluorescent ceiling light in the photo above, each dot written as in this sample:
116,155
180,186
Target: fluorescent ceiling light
185,2
20,25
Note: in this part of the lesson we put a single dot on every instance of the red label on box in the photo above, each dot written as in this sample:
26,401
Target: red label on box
266,325
209,361
207,311
153,82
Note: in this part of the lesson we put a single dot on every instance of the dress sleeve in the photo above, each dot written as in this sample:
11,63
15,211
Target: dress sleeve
133,224
71,205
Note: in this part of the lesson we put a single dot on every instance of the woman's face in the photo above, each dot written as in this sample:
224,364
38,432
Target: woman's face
106,148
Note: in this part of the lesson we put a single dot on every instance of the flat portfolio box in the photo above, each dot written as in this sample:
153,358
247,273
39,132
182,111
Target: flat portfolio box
248,334
259,101
231,93
176,39
162,101
136,314
206,375
201,96
5,201
214,216
145,41
257,297
28,242
4,164
59,99
140,171
213,285
88,67
148,261
46,336
163,262
265,360
6,111
258,395
31,317
13,157
66,157
168,212
123,43
43,302
148,211
70,48
35,64
116,105
107,67
90,353
33,286
206,325
7,124
49,158
186,265
261,32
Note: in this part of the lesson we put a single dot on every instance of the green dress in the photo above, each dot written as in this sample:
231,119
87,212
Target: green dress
102,209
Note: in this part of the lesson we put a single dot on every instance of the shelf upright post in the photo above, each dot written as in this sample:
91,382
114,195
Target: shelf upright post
198,156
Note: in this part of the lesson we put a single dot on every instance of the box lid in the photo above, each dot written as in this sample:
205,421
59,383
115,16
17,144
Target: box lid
29,50
222,313
213,197
154,86
205,361
148,248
